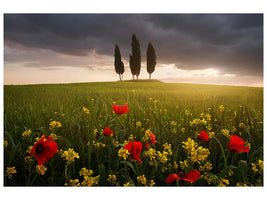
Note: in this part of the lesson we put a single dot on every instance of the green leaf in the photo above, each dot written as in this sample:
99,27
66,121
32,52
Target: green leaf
129,164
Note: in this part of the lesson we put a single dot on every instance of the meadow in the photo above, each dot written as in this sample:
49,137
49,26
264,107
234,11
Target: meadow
165,119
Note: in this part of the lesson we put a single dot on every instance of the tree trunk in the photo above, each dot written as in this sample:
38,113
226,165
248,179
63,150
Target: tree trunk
149,76
136,77
120,76
133,77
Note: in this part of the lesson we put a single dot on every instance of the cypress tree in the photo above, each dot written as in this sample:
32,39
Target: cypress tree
119,66
151,59
135,57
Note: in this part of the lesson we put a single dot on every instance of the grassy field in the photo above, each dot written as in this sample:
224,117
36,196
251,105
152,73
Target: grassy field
174,113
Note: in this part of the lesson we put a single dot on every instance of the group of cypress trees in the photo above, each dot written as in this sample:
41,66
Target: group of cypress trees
135,59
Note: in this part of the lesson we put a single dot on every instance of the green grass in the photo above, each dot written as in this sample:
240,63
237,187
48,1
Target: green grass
154,104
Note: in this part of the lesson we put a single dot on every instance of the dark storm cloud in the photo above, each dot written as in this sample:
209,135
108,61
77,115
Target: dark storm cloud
232,43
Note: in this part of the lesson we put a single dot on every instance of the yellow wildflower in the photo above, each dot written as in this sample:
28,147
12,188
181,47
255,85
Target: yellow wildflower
211,134
29,149
10,171
53,135
70,155
85,172
86,111
224,182
260,165
73,182
152,183
189,144
176,107
225,132
133,90
131,137
95,131
184,164
141,179
199,154
112,178
187,112
239,184
167,147
198,121
173,123
40,169
151,154
127,184
123,153
208,117
254,167
183,130
89,181
230,172
221,108
138,124
99,144
5,143
175,165
26,133
233,129
28,159
55,124
241,125
162,156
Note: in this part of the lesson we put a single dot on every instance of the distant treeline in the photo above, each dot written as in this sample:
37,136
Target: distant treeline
135,59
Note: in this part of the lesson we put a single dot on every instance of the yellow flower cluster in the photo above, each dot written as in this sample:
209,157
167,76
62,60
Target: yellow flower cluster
89,180
211,134
112,179
184,164
173,123
26,133
175,165
131,137
225,132
10,171
151,154
233,129
99,144
73,182
40,169
95,131
152,183
141,179
208,117
168,147
86,172
241,125
163,157
123,153
127,184
54,136
55,124
223,182
86,111
190,144
221,108
257,167
198,121
239,184
28,159
183,130
206,167
5,143
199,154
187,112
70,155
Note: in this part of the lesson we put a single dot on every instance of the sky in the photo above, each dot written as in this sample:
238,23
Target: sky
222,49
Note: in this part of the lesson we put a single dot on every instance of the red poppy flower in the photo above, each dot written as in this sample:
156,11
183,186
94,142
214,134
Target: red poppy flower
119,110
44,149
203,136
152,140
191,176
107,131
236,144
135,149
